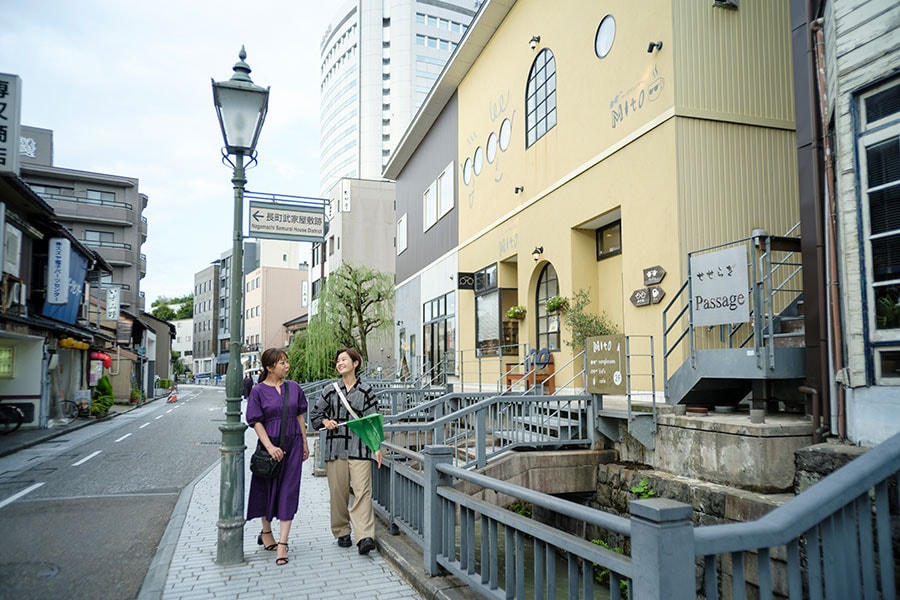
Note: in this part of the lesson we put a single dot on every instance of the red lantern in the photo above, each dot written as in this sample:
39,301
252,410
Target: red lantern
107,361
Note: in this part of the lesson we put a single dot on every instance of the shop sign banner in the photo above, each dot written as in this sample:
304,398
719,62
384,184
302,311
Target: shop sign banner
606,364
58,267
719,287
10,111
66,273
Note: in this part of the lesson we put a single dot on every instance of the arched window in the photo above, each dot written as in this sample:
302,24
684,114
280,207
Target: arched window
540,97
547,325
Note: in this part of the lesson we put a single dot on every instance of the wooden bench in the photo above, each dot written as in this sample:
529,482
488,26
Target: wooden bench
545,377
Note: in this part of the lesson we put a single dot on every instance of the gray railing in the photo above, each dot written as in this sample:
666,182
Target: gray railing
832,542
774,274
479,426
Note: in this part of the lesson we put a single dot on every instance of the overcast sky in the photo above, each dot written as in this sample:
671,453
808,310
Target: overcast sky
125,87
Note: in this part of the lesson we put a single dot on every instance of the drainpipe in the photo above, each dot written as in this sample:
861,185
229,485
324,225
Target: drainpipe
820,424
833,282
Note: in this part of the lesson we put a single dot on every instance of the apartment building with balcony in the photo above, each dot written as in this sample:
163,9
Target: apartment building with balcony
103,211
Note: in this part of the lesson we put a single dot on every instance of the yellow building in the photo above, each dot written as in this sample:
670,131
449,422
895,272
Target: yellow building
613,137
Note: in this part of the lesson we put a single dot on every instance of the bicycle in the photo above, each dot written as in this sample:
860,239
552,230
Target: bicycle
11,418
68,411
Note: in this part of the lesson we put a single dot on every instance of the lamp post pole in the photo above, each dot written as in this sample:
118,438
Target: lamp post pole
230,547
241,107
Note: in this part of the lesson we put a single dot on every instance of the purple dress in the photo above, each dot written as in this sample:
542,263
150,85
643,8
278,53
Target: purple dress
279,497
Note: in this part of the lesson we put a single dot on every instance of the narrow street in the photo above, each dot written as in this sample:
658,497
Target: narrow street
83,513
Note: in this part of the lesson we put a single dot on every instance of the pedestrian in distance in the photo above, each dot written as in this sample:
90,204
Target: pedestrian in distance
246,386
348,461
277,498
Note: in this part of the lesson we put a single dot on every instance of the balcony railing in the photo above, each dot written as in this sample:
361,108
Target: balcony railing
81,199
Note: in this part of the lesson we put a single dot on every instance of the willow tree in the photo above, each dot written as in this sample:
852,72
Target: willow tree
312,351
358,301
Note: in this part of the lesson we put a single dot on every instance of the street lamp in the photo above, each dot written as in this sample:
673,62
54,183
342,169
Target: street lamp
241,106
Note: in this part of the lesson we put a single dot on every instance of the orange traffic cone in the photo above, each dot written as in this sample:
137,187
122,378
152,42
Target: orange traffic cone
172,398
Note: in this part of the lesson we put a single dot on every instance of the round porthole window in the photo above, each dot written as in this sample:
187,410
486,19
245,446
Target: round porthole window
606,34
467,171
479,160
491,147
505,134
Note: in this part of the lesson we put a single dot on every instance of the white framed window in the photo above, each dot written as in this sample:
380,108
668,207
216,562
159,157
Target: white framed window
429,200
439,198
879,159
445,191
401,234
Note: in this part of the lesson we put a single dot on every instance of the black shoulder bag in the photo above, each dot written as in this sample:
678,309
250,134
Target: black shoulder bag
262,464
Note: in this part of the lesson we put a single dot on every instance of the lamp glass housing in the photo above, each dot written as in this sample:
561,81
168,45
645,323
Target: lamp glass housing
241,108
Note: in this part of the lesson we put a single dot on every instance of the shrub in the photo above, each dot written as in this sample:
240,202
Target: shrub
583,324
102,397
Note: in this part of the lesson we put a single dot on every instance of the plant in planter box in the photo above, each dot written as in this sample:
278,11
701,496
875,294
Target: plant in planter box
516,312
557,304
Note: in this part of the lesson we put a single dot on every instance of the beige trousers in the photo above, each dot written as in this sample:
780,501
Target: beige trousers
342,474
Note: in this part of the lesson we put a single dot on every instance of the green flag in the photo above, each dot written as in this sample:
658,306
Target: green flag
370,430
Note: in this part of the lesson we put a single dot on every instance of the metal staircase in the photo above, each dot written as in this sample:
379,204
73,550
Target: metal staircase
764,358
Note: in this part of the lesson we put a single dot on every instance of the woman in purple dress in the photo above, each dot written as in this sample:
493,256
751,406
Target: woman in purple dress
277,498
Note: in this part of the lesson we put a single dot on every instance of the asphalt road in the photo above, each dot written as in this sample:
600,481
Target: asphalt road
81,515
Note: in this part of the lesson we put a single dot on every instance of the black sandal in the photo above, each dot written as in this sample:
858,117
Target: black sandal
282,560
259,540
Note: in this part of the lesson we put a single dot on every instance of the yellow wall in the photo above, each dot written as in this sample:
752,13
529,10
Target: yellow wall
685,175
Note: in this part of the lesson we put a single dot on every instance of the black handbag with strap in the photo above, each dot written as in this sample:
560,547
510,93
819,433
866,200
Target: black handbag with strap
262,464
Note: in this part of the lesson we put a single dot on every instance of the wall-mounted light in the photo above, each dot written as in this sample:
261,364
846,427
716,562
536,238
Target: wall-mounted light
399,323
535,40
536,253
732,4
656,45
519,189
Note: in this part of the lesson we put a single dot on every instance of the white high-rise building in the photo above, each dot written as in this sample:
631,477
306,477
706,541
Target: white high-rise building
379,59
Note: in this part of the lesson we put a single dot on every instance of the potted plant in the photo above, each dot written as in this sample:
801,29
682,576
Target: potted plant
516,312
557,304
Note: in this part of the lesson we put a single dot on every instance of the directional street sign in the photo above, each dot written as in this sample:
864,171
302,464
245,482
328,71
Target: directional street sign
279,221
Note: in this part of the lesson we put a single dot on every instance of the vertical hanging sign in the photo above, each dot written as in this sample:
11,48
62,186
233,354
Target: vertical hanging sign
58,267
112,303
10,106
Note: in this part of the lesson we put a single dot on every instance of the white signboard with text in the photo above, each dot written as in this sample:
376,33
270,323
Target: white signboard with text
10,107
719,287
112,303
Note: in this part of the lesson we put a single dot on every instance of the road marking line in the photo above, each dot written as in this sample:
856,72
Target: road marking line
86,458
158,417
144,425
170,410
15,497
122,438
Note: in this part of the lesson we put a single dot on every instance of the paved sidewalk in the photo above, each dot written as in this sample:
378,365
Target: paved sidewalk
185,565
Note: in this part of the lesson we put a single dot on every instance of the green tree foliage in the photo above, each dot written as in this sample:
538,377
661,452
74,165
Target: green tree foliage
359,301
312,352
163,312
178,367
171,309
354,302
583,324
